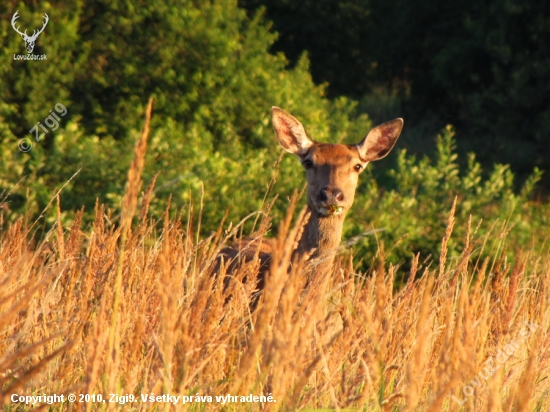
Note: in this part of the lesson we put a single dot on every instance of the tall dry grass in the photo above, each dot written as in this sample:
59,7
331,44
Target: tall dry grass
133,309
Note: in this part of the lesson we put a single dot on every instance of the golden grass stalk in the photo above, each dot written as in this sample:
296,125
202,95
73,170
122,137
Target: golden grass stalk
343,340
129,204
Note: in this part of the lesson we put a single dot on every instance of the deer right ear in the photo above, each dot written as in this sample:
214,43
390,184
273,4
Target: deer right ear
290,133
380,140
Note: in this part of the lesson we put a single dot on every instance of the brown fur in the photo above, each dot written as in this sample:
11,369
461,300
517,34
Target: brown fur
332,172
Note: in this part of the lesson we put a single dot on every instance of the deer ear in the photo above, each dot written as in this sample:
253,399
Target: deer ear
380,140
290,133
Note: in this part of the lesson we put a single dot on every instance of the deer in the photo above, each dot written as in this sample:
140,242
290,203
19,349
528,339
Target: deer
29,40
332,174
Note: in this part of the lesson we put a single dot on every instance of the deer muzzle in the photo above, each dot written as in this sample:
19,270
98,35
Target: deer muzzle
330,201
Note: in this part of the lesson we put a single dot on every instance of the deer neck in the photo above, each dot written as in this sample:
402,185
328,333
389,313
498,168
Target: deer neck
321,234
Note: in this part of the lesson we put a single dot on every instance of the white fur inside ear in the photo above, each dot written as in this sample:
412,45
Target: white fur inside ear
380,140
290,132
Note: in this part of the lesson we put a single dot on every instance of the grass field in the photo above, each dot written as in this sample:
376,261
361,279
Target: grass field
127,316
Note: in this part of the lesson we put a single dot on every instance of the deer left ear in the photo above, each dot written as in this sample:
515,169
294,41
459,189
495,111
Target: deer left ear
380,140
290,133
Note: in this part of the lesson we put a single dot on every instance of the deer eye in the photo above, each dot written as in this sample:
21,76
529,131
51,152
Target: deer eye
308,164
358,167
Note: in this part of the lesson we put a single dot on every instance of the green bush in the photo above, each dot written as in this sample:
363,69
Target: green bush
209,67
414,210
214,81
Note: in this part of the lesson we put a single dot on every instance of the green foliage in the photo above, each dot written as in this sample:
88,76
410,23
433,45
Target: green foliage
481,67
29,89
414,213
214,81
29,181
209,67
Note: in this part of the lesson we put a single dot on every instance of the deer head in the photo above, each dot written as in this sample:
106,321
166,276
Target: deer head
332,170
30,40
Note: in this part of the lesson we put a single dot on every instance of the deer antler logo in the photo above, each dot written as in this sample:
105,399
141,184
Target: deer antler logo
30,40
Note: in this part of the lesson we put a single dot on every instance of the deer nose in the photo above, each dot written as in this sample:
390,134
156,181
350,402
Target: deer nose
331,195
